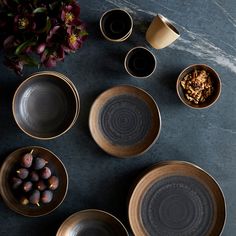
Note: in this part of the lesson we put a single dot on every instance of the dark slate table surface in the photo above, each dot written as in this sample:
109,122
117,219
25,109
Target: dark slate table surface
205,137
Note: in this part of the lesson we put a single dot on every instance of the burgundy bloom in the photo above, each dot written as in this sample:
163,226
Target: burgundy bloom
24,23
40,48
70,14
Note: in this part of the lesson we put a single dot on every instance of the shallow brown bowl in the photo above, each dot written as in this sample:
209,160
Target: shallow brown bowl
45,105
92,222
11,164
216,86
125,121
176,198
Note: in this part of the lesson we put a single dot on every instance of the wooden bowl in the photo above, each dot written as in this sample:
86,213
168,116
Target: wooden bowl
176,198
216,86
45,105
7,171
125,121
92,222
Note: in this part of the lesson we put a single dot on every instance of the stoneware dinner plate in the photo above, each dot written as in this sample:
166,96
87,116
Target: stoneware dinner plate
45,105
125,121
92,222
11,164
176,198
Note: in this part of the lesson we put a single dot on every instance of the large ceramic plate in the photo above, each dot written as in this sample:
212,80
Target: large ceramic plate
9,166
125,121
92,222
176,198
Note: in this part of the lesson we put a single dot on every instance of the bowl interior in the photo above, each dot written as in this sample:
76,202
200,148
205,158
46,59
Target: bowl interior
216,86
116,24
140,62
11,164
44,106
92,222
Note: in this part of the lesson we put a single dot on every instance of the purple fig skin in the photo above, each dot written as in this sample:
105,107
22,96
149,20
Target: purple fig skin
22,173
16,182
41,186
34,176
46,196
27,160
35,197
53,182
39,163
27,186
45,173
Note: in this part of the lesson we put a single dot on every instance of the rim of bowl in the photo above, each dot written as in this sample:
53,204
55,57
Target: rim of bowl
169,24
125,36
77,102
169,162
180,78
154,140
126,58
92,210
67,181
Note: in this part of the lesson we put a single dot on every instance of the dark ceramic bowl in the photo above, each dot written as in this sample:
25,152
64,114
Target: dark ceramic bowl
116,25
11,164
140,62
92,222
215,81
45,105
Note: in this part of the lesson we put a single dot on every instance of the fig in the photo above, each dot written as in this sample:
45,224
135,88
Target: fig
35,197
45,173
47,196
39,163
27,186
24,201
41,185
27,160
34,176
22,173
53,182
16,182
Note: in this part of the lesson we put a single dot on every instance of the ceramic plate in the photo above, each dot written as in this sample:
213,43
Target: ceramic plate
125,121
92,222
176,198
11,164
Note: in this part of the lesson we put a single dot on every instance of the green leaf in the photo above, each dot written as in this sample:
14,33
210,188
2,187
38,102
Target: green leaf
40,10
23,46
28,60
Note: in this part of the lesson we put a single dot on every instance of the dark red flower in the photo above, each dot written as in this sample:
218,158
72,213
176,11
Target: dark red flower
14,64
24,23
70,14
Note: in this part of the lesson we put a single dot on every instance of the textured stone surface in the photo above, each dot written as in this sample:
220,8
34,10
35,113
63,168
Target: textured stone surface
206,137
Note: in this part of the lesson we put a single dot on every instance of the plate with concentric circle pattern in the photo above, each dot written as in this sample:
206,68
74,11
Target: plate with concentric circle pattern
125,121
176,198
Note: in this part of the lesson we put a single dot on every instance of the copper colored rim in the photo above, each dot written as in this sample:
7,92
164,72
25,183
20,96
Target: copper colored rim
160,170
9,198
89,212
121,151
180,77
58,76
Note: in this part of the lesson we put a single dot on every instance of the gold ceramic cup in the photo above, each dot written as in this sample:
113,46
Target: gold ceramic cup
116,25
161,32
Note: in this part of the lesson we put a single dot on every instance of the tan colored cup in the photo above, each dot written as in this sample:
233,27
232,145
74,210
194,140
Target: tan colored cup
161,32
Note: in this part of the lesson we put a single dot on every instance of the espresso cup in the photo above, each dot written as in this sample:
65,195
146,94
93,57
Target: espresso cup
140,62
116,25
161,32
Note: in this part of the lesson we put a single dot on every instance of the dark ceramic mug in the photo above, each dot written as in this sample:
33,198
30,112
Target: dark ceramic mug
116,25
140,62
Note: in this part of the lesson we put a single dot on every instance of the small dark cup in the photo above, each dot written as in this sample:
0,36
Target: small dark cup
216,84
140,62
116,25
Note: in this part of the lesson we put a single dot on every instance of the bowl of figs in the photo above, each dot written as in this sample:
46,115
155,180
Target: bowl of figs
33,181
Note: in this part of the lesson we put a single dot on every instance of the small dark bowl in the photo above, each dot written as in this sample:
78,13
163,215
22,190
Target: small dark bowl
116,25
45,106
216,86
11,164
140,62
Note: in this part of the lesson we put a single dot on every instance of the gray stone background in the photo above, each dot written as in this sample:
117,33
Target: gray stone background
206,137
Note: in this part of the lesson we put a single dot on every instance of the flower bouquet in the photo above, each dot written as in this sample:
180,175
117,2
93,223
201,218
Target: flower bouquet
39,32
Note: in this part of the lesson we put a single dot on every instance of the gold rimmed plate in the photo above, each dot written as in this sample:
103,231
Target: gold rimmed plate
176,198
92,222
11,164
125,121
